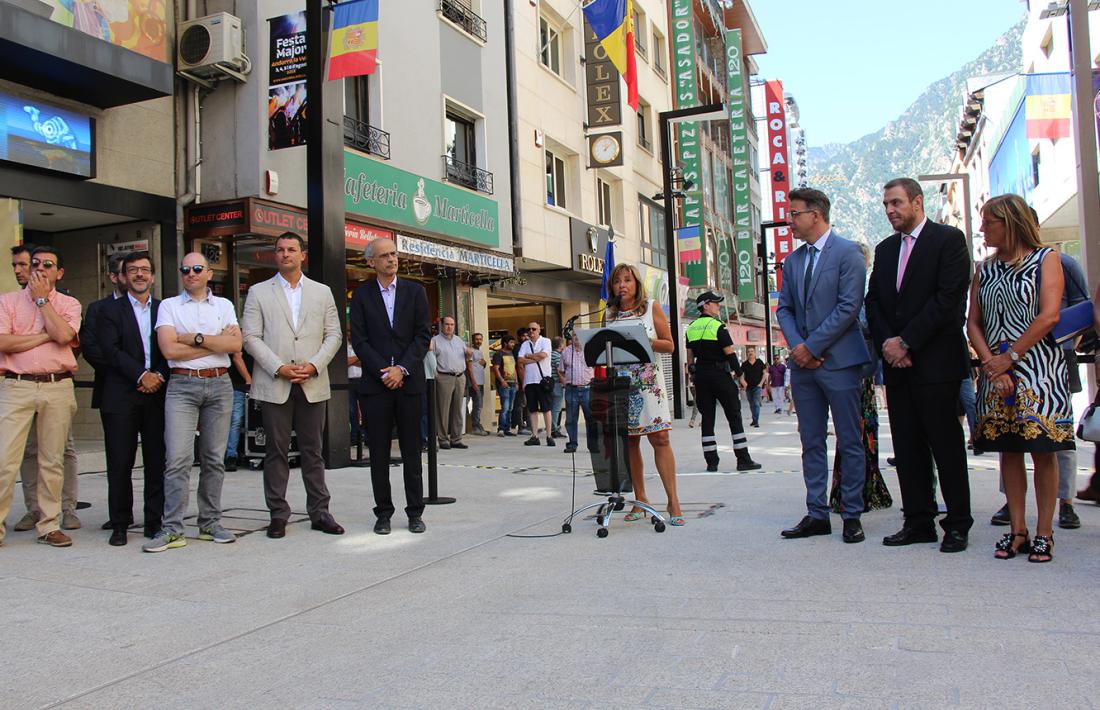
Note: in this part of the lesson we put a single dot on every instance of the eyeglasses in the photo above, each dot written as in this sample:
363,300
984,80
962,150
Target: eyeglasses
197,268
144,270
795,213
44,263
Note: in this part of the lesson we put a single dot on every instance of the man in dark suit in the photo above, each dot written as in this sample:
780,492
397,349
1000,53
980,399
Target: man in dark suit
916,309
390,334
134,374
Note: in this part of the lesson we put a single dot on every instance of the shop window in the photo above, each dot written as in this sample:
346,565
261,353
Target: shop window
550,46
604,202
555,180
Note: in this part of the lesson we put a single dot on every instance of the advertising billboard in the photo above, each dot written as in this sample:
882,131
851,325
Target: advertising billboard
41,135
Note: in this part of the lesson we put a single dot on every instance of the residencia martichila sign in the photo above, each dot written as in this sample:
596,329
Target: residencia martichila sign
379,191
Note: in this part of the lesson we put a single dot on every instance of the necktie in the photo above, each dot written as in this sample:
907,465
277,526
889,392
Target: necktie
809,273
906,249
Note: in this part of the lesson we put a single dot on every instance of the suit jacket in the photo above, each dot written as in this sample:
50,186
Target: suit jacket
90,344
378,344
826,318
929,312
272,340
123,356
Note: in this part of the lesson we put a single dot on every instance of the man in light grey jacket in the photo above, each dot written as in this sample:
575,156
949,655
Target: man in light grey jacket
292,330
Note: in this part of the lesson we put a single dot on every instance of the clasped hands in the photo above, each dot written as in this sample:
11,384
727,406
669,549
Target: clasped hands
393,377
804,358
150,382
297,374
896,355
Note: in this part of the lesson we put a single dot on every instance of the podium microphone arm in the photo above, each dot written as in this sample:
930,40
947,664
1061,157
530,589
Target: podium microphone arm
567,331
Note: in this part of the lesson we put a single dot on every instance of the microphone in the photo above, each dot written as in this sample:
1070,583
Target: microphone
567,331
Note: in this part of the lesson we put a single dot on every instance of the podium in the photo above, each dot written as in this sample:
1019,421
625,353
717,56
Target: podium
611,347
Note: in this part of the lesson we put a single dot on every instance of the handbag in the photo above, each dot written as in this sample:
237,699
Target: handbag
1088,429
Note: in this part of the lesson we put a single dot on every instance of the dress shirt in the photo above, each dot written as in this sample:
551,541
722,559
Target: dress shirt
450,354
914,234
577,373
209,316
354,371
820,246
389,295
20,316
144,315
294,298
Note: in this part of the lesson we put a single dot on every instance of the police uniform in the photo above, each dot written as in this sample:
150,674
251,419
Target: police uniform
707,339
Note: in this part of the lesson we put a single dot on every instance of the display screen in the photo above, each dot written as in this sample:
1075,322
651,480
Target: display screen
45,136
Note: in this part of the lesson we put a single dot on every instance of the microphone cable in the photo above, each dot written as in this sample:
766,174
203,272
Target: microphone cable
572,507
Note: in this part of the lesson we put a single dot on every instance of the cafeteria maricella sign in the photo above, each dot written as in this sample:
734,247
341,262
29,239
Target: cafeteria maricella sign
377,190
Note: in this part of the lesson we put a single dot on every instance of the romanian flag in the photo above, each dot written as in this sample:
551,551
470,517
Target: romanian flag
608,267
612,22
353,45
1048,106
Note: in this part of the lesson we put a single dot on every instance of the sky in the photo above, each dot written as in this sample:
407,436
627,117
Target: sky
854,65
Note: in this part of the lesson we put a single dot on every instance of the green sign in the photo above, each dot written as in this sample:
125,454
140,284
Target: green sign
745,270
688,141
725,258
374,189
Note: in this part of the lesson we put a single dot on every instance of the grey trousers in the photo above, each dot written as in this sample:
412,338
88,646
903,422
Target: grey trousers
307,420
449,413
206,404
28,473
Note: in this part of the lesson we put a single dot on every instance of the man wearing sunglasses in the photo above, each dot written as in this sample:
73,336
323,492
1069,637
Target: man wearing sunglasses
37,328
196,331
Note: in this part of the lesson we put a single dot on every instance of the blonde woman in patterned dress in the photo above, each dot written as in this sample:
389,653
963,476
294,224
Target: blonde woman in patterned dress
647,409
1023,389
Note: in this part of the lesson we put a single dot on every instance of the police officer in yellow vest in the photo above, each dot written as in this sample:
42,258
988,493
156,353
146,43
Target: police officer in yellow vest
710,360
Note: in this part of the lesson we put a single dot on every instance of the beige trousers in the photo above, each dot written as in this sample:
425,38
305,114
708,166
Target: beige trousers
28,473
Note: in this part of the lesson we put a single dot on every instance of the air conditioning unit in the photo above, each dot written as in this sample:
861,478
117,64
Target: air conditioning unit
210,44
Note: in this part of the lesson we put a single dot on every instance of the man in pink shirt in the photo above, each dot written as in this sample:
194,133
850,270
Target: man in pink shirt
37,328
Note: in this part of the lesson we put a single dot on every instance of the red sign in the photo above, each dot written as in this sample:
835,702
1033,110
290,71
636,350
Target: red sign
777,158
360,235
273,221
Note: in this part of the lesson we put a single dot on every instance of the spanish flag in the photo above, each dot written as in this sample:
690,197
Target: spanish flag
353,39
1048,106
612,22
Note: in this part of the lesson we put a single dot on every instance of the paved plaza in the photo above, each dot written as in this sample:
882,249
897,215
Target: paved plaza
721,613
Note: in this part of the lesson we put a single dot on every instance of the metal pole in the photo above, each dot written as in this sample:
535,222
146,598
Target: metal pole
433,497
673,259
1084,128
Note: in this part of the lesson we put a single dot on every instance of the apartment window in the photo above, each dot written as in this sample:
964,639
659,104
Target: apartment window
603,201
358,131
357,97
460,154
1035,167
550,50
652,225
644,138
660,53
463,13
555,180
461,144
640,46
1047,44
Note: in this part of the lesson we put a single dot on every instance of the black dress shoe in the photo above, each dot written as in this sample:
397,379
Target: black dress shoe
230,463
909,536
748,465
1001,517
327,524
808,527
953,541
712,467
382,526
444,445
118,537
417,525
276,529
111,526
853,531
891,460
459,445
150,532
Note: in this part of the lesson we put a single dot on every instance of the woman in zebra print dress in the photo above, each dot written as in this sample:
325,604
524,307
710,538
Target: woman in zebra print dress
1023,390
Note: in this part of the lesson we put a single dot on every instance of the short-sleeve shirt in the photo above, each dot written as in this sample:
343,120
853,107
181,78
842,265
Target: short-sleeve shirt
476,367
753,372
450,354
209,316
20,316
506,363
776,373
532,373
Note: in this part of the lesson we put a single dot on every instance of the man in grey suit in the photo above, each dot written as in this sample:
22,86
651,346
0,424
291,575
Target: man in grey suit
819,305
292,330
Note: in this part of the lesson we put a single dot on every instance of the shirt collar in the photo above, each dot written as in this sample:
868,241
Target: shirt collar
286,284
137,304
820,243
187,297
391,287
916,232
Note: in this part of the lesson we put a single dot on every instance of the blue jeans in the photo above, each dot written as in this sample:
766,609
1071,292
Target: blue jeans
969,402
754,403
507,398
576,400
240,399
556,401
206,404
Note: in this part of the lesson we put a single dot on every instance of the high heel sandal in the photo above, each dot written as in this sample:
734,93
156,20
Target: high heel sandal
1042,549
1003,550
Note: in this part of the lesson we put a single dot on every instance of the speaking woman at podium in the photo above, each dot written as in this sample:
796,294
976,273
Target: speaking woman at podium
647,407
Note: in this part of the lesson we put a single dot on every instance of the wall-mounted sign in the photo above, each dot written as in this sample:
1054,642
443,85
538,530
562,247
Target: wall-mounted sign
453,255
286,96
606,150
589,244
688,144
41,135
776,114
360,235
127,247
602,80
745,266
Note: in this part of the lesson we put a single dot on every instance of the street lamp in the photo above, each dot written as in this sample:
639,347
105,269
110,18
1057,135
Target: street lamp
764,227
707,112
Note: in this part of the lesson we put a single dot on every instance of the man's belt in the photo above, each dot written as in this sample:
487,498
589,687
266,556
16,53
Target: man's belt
578,386
452,374
710,364
206,372
48,377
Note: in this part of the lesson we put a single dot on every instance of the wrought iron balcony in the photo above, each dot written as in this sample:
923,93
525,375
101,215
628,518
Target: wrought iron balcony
467,175
645,143
457,12
365,137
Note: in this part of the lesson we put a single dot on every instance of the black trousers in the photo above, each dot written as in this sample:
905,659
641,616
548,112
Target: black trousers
924,426
715,386
120,437
382,411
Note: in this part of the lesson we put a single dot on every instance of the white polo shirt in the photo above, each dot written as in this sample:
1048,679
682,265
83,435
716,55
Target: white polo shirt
208,316
534,373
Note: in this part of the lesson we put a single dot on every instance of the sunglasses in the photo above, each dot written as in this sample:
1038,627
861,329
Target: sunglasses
45,263
197,268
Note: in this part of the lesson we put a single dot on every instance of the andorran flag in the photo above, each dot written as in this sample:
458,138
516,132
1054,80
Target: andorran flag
1048,106
353,47
612,22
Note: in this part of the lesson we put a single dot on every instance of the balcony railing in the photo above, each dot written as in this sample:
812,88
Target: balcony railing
467,175
365,137
457,12
645,143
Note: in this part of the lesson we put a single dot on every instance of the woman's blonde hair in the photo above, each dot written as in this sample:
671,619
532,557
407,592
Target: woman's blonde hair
1021,228
641,299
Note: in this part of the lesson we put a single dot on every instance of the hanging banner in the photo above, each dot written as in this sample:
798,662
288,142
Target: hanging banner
745,267
688,142
602,81
725,264
777,158
286,98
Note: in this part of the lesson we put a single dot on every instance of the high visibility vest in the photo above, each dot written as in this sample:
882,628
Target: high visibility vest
703,328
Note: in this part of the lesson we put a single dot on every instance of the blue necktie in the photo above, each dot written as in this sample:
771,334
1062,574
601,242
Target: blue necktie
809,274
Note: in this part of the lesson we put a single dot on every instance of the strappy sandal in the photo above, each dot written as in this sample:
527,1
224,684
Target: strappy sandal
676,521
1042,549
1003,550
634,515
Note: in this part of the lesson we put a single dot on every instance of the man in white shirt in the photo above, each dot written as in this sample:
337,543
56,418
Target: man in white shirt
534,356
196,331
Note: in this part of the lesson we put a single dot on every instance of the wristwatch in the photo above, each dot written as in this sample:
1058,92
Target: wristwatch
198,339
1013,355
901,341
41,302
